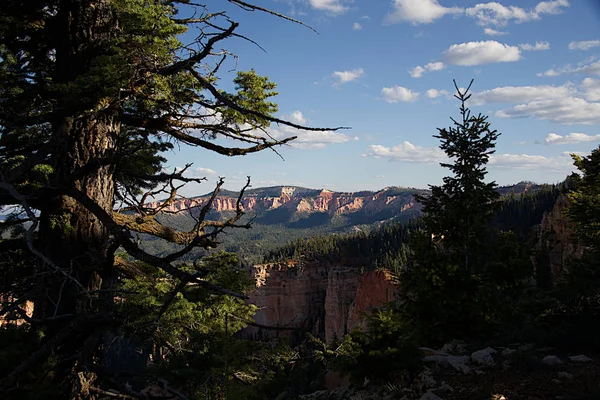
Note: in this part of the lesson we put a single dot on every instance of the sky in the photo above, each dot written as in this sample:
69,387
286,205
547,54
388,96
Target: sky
386,69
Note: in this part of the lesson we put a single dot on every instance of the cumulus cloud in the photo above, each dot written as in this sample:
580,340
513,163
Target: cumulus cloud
397,94
419,11
591,89
307,139
494,32
588,68
418,71
533,162
298,118
514,94
535,47
480,53
496,14
434,93
331,6
571,138
566,110
348,76
584,45
356,26
408,152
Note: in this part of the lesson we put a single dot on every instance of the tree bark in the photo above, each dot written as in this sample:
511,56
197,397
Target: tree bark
71,237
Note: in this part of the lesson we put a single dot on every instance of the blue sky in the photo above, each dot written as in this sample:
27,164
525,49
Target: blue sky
385,69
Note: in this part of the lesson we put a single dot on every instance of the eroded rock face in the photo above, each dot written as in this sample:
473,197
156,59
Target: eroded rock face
303,201
556,236
328,301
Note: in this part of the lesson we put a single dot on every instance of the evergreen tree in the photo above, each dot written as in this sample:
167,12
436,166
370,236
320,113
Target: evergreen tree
91,93
459,211
584,210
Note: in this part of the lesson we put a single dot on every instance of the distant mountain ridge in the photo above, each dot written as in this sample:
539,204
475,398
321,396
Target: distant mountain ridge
305,200
282,214
279,203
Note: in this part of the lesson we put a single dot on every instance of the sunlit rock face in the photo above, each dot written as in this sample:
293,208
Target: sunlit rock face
328,301
303,200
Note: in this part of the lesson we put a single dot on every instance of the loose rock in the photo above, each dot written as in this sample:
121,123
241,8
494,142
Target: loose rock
564,375
552,361
508,352
483,357
430,396
580,358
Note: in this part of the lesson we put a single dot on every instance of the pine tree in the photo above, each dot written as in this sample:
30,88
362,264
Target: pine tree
91,93
459,211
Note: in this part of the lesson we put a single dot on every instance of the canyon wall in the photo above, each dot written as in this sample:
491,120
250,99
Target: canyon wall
328,301
302,200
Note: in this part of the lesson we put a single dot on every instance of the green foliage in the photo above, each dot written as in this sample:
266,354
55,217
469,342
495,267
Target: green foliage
463,277
383,350
195,310
460,209
253,92
585,200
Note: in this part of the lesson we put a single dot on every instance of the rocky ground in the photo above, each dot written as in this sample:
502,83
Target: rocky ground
516,372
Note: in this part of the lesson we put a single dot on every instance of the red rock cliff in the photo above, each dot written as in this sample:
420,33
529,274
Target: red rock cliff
328,301
303,201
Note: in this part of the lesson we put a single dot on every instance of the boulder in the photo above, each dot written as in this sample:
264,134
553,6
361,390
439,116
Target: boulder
456,347
508,352
428,352
424,381
564,375
580,358
430,396
459,363
552,361
483,357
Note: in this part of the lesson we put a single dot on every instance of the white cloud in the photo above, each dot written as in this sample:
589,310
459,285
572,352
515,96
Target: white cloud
331,6
419,11
494,32
395,94
434,93
535,47
514,94
589,68
356,26
435,66
479,53
591,89
566,110
306,139
552,7
494,13
204,171
298,118
407,152
418,71
348,76
584,45
571,138
533,162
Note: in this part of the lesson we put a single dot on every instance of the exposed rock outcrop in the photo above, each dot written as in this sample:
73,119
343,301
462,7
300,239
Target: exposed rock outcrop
556,238
301,200
328,301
